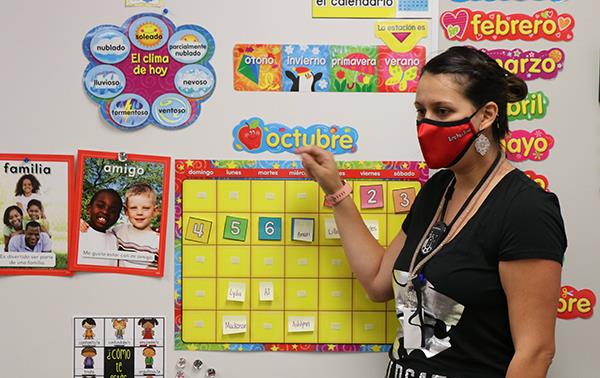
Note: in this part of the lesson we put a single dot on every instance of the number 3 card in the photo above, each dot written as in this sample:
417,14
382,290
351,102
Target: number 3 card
122,215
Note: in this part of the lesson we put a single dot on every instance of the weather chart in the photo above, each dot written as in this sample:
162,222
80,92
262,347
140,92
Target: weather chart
259,261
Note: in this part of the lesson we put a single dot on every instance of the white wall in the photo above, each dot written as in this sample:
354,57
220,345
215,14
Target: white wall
45,110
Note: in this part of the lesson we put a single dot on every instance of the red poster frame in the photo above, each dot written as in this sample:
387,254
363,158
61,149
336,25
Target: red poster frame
166,161
70,160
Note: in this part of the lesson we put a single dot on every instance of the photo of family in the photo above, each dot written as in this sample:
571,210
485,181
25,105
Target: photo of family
34,203
122,213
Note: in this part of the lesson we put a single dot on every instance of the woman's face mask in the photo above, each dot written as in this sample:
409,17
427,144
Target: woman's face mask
443,143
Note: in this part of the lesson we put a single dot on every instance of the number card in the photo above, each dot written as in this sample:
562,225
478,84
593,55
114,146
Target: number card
36,208
259,259
371,197
122,215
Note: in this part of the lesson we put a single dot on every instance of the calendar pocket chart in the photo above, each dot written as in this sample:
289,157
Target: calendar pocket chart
259,263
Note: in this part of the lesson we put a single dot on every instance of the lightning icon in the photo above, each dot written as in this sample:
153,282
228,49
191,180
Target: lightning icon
127,109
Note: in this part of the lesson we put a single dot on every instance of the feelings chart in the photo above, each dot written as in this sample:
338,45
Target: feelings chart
259,263
124,346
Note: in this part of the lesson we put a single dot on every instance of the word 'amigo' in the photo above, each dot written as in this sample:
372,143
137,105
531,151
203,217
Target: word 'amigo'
29,169
125,169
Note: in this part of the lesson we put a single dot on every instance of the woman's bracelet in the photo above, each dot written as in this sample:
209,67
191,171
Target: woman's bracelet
333,199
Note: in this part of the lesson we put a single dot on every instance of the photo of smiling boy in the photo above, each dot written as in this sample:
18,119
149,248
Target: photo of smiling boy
103,211
137,235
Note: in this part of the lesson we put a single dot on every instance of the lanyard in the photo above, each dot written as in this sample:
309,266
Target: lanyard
443,230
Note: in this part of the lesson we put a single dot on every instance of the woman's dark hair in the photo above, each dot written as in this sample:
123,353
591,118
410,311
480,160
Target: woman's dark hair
34,182
482,79
89,321
7,213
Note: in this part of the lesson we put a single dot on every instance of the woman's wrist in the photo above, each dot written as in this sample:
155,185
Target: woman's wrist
339,195
330,189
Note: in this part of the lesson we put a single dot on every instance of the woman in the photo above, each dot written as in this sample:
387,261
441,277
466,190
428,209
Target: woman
13,224
475,270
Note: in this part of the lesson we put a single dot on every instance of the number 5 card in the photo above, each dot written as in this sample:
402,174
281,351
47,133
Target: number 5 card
35,193
122,213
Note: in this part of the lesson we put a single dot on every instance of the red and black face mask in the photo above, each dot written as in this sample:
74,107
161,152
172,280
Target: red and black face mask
444,143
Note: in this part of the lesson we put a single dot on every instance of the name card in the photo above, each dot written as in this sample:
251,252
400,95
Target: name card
235,260
331,230
200,293
236,292
301,324
200,259
270,196
268,261
373,226
303,229
234,324
234,195
201,195
266,291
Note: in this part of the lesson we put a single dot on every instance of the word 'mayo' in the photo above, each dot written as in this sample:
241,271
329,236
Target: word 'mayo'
462,24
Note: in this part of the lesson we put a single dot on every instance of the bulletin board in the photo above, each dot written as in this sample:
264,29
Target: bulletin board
47,109
260,263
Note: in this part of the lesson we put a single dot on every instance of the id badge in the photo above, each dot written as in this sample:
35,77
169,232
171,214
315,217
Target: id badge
411,327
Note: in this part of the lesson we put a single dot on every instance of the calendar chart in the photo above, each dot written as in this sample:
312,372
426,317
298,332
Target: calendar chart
259,262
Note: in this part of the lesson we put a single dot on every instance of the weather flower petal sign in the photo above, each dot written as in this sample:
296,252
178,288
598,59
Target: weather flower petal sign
149,71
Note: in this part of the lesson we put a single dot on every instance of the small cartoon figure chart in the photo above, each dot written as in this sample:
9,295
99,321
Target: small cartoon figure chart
259,263
119,347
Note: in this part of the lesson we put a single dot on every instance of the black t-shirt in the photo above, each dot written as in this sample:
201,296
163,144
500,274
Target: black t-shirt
466,329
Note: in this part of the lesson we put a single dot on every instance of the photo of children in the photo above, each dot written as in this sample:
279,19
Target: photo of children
121,213
34,202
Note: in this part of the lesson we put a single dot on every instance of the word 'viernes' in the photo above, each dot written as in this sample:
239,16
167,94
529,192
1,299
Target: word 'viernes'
29,169
462,24
529,65
255,136
523,145
125,169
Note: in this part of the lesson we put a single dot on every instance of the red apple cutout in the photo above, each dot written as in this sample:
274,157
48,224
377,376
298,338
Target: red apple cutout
250,135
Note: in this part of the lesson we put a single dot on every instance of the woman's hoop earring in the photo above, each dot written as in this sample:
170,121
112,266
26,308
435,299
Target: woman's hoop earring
482,144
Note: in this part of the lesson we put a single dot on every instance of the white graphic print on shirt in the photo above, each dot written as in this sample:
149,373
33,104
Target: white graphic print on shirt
439,314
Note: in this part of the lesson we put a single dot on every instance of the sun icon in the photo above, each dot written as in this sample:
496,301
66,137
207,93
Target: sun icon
149,34
189,38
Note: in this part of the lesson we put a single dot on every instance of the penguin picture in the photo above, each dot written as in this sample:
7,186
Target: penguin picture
304,80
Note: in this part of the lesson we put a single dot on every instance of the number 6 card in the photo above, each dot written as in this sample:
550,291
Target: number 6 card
122,215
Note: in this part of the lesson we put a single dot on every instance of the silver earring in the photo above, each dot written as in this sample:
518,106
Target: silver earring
482,144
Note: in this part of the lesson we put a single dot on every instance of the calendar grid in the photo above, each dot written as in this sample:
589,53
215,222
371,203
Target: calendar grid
311,299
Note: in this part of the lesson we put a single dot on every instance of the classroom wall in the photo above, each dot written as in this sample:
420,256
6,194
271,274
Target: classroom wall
45,110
